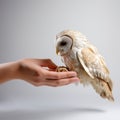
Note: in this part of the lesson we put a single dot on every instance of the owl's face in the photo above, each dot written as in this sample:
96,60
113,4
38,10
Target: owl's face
63,45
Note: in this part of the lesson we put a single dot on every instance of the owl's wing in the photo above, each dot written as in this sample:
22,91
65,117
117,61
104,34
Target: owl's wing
93,64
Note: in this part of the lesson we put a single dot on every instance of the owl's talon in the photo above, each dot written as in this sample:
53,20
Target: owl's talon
62,69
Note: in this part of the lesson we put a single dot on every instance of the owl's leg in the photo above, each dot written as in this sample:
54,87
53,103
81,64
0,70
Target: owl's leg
62,69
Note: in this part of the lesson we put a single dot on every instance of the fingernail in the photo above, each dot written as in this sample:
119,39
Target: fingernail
77,79
74,73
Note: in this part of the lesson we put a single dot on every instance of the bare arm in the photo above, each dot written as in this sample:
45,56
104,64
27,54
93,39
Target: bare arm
37,72
8,71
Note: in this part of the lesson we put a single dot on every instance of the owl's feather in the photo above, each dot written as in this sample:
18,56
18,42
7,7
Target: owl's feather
93,64
97,70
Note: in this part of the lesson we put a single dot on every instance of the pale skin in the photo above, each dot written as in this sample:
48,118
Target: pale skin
38,72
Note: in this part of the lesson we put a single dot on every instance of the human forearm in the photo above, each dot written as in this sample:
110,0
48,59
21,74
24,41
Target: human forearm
8,71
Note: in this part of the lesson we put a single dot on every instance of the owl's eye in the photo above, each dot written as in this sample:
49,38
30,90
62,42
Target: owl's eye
63,43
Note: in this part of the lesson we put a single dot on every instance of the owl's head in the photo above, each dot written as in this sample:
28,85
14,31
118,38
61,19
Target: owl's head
63,44
69,39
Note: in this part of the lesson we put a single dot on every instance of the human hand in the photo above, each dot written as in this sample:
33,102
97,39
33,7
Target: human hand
40,72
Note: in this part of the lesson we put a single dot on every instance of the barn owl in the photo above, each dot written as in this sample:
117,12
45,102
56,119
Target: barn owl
81,56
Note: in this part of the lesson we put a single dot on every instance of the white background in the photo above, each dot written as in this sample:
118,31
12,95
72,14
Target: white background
28,29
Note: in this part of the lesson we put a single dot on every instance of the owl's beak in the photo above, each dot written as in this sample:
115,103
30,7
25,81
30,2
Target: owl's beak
57,51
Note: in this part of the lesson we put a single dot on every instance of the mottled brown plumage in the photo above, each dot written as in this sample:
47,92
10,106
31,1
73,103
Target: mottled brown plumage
81,56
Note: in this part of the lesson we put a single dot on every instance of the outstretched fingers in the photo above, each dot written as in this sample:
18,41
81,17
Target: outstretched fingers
61,82
59,75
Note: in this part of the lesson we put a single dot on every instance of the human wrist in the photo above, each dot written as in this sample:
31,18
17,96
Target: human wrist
8,71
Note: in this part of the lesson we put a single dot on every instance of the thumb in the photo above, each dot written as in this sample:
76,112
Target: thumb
48,63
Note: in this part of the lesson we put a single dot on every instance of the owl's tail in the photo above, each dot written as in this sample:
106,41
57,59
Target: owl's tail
104,89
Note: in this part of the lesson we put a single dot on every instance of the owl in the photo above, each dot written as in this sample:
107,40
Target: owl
79,55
